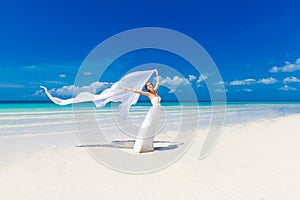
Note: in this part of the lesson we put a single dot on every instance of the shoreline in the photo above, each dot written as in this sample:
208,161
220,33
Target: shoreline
226,124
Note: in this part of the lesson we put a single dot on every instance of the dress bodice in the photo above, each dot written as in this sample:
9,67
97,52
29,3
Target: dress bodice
155,101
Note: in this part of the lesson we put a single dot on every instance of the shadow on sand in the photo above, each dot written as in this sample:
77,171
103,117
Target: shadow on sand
128,144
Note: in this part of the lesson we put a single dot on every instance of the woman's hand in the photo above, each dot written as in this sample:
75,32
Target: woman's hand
128,90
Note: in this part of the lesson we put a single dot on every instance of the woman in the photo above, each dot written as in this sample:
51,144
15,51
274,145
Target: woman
116,93
145,137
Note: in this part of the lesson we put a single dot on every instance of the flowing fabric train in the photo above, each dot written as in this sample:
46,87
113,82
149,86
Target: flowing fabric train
135,80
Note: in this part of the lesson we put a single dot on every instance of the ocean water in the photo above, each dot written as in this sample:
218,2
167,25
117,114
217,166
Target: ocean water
32,118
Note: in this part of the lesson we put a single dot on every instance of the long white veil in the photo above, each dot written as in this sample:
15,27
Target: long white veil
135,80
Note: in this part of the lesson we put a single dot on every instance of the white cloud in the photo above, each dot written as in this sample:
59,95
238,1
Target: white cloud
267,81
192,77
220,90
62,76
247,90
201,78
30,67
67,91
174,83
288,67
39,93
248,81
251,81
221,83
9,85
47,67
291,79
274,69
87,73
286,88
55,82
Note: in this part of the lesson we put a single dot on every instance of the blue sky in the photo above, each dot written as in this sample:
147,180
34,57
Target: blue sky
255,44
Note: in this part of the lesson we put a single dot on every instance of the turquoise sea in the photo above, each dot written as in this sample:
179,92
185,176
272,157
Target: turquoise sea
29,118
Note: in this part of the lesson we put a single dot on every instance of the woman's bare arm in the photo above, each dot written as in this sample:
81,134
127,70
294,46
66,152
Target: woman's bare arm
157,81
137,91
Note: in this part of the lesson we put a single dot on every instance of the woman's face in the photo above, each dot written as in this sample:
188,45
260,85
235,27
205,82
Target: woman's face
149,86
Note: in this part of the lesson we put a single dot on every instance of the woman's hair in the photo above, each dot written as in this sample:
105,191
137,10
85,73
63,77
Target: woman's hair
147,84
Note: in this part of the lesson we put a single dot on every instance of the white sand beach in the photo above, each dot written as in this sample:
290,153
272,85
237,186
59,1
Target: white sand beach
257,160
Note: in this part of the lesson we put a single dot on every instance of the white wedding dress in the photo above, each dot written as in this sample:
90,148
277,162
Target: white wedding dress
146,134
117,93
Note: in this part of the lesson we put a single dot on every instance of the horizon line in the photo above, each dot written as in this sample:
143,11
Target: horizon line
44,101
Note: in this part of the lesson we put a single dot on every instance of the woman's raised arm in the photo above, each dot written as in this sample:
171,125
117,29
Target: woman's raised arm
157,81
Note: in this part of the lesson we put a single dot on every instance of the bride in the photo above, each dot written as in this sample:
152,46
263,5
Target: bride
135,80
145,137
